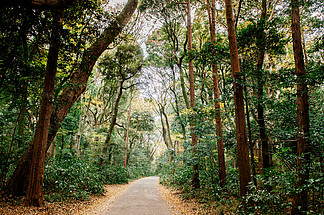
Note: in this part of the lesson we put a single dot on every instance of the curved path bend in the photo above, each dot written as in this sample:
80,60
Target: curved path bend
142,198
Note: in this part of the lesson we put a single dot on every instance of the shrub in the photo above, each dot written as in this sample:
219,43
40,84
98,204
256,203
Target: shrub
71,178
114,175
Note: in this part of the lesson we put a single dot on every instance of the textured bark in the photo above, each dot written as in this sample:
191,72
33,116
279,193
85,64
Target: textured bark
127,130
219,132
34,195
164,132
17,185
241,136
194,139
167,124
300,200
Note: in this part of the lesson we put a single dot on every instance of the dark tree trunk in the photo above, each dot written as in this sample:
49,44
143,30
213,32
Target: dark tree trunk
17,185
34,195
300,200
241,136
219,132
266,152
251,143
194,138
113,120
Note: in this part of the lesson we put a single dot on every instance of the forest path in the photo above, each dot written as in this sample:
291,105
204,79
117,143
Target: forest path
142,198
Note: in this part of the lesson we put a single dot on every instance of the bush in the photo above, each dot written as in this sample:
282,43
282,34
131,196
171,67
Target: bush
114,175
71,178
261,201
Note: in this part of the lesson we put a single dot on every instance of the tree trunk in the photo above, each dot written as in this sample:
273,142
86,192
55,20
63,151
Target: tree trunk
183,87
17,185
113,120
241,136
127,130
34,195
251,143
176,109
219,132
164,133
79,135
300,200
266,152
194,139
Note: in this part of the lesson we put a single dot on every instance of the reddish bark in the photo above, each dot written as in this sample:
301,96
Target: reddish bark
35,186
17,185
219,132
241,135
300,200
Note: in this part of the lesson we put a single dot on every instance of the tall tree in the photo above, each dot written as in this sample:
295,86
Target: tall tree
241,135
266,152
300,200
113,120
17,184
194,138
35,185
219,132
123,65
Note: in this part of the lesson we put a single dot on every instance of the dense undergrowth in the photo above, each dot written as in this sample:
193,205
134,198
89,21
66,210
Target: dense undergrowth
70,177
273,193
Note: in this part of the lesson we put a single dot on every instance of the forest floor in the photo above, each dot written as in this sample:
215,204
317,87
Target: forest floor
93,205
178,204
182,205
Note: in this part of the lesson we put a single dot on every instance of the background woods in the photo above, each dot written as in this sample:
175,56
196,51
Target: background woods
222,99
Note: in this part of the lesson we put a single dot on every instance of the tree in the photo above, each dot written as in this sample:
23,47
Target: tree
241,135
123,66
35,185
17,184
194,139
266,151
303,160
220,146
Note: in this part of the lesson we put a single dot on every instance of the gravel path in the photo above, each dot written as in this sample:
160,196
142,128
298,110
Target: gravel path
142,198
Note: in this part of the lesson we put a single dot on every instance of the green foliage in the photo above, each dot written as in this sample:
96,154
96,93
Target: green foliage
71,178
113,175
